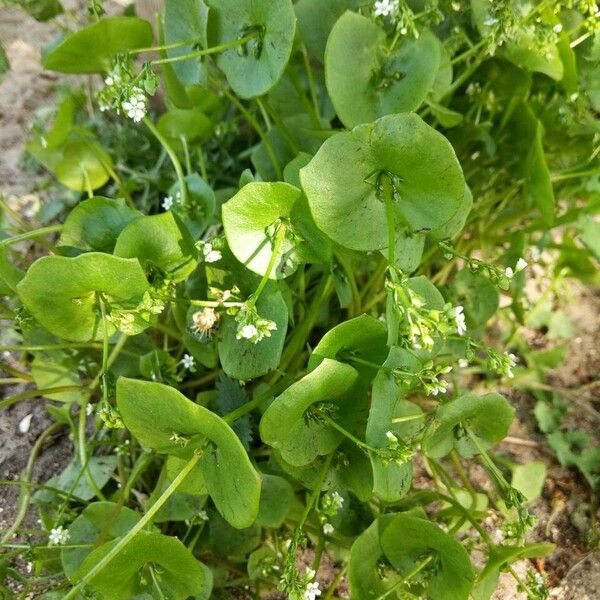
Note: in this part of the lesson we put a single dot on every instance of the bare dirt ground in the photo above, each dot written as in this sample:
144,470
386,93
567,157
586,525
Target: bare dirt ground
564,510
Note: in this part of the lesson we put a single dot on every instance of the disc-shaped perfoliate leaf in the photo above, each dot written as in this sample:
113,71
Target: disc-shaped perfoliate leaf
408,540
316,19
243,359
343,181
91,49
84,165
367,580
451,228
486,417
159,241
368,77
162,418
287,424
63,293
104,520
181,575
254,68
253,220
95,224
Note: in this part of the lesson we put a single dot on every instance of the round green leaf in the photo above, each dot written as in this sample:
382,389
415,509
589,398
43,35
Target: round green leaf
62,293
367,78
95,224
252,69
84,165
252,220
91,49
342,181
105,520
159,241
366,579
487,417
181,575
162,418
244,360
407,541
48,373
286,426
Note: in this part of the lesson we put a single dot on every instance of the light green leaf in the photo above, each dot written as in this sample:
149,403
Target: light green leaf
287,425
254,69
367,77
91,49
487,417
408,539
95,224
181,575
252,220
62,293
160,417
159,242
538,185
52,373
341,181
276,500
529,479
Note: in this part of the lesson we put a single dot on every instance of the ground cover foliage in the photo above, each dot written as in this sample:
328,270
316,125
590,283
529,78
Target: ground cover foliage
280,283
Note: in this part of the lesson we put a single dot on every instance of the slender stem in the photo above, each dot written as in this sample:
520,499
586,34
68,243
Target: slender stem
347,434
172,155
279,239
214,50
164,47
31,235
416,569
103,563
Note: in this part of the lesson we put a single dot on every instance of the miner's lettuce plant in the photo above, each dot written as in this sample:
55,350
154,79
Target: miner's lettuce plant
260,327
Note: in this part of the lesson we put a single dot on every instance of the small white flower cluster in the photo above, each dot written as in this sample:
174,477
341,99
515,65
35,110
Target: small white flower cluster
135,106
520,266
205,321
331,504
188,362
208,252
311,590
58,536
502,363
459,317
429,377
251,326
202,515
397,452
167,203
385,8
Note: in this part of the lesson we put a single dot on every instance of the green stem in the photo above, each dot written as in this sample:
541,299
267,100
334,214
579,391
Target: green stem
416,569
388,197
172,155
103,563
198,53
164,47
31,235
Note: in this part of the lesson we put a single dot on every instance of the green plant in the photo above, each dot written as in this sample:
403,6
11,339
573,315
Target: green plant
271,334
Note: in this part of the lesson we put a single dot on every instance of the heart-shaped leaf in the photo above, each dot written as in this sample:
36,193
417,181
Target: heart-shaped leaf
91,49
253,220
181,575
368,76
486,417
159,241
343,182
162,418
95,224
254,68
63,294
288,424
408,540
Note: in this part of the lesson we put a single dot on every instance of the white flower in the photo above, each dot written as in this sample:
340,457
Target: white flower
463,363
203,515
29,567
167,203
327,528
437,387
89,409
247,332
337,500
312,591
391,437
135,107
490,21
205,321
510,364
188,362
521,265
509,272
210,255
58,536
383,8
557,28
459,317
